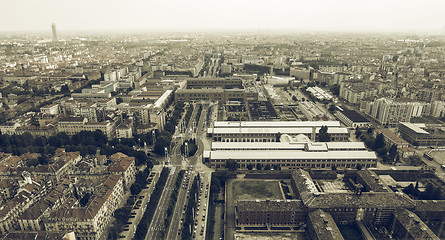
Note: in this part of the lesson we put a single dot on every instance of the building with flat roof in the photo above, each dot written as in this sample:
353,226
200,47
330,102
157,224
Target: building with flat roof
290,156
326,146
216,94
352,118
257,134
417,135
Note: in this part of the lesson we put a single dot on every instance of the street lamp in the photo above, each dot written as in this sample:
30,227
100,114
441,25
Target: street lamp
167,157
153,133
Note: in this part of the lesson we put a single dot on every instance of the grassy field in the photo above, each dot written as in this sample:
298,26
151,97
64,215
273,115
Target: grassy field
252,190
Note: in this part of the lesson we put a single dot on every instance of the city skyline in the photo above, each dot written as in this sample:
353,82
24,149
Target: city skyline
196,15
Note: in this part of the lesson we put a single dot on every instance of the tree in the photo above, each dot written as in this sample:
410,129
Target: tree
415,160
5,106
335,89
135,188
267,167
358,132
64,89
381,151
393,152
379,141
258,166
332,108
370,130
249,166
277,137
323,135
231,164
359,166
161,143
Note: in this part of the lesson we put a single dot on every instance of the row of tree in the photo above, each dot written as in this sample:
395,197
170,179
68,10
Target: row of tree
121,216
431,192
140,181
147,217
388,154
163,140
188,224
171,205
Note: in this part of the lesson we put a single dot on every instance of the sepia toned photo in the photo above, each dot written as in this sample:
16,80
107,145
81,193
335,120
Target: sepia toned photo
222,120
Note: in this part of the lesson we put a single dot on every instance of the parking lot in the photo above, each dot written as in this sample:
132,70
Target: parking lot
139,206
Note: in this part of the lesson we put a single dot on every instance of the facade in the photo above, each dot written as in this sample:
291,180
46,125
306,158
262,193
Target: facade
52,109
355,94
124,131
219,95
73,125
224,83
291,155
9,128
270,213
270,134
11,210
391,112
416,135
47,131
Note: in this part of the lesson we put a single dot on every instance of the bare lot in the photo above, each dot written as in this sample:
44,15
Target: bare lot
252,190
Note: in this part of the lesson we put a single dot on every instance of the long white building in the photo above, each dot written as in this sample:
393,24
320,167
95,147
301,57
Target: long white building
291,155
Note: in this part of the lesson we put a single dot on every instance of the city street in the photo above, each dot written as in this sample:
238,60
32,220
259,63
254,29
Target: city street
157,222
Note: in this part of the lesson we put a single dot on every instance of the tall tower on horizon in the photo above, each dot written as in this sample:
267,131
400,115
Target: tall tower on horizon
53,28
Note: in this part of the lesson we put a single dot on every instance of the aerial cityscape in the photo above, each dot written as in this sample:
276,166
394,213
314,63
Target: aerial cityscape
221,129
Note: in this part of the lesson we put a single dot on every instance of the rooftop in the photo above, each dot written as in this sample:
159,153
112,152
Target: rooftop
391,136
430,206
354,116
292,155
414,127
324,225
414,225
365,200
273,130
372,181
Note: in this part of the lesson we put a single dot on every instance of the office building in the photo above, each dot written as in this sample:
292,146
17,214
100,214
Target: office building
53,29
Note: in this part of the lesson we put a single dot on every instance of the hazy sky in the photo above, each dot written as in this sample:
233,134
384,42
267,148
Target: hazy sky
168,15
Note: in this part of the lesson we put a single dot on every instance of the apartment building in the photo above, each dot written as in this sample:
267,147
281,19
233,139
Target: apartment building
88,222
391,112
73,125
